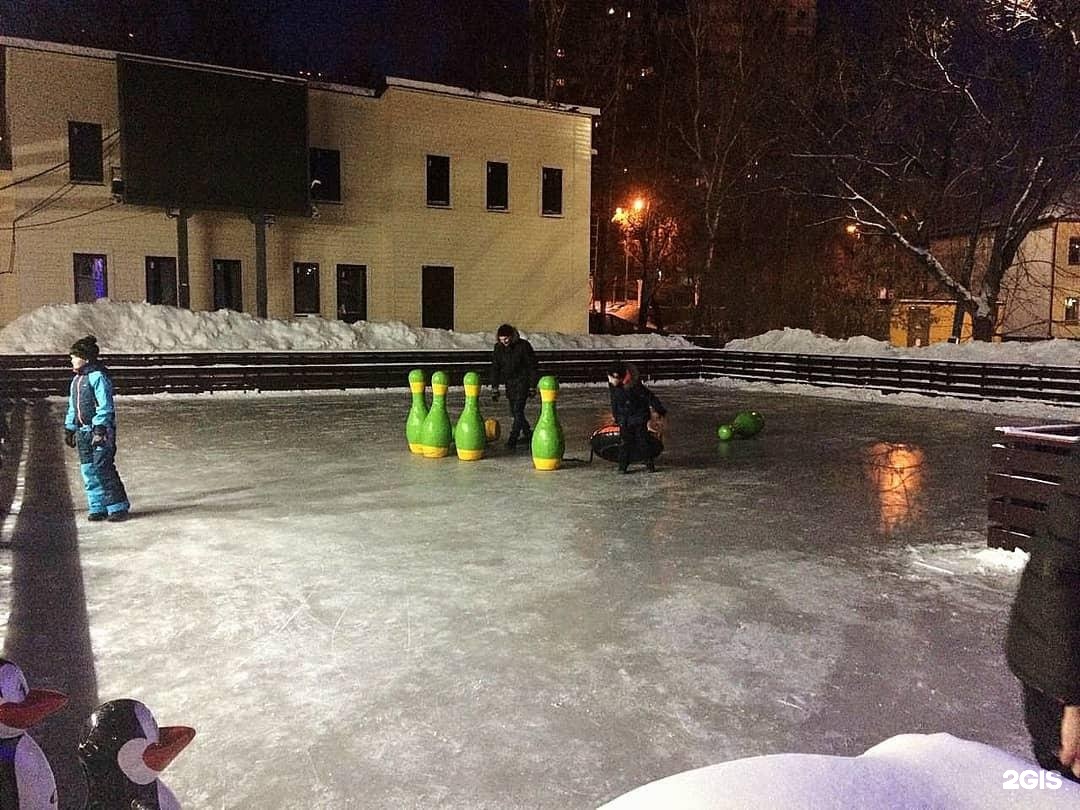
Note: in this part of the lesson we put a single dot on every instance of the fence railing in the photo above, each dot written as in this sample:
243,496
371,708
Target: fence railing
35,376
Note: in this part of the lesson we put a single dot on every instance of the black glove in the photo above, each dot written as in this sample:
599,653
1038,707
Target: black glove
100,436
495,394
69,438
532,393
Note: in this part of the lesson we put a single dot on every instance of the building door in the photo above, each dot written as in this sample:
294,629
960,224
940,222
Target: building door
228,294
918,326
437,298
306,288
161,280
91,277
352,292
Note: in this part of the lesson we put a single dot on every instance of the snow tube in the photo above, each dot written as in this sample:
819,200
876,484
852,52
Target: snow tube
605,443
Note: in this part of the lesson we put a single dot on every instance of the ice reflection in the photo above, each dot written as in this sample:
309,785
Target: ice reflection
896,473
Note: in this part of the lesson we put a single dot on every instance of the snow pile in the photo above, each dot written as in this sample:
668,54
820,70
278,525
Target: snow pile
1056,352
906,771
952,559
138,328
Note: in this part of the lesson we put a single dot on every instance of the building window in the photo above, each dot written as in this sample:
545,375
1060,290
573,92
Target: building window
1072,310
551,192
352,292
437,297
498,186
228,290
325,174
84,153
1074,250
161,280
91,278
5,137
305,287
438,181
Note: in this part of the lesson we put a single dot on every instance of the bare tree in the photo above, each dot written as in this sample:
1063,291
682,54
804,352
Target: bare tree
966,125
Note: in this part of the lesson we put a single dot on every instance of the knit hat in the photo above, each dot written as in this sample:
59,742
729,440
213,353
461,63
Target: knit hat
86,348
617,368
506,330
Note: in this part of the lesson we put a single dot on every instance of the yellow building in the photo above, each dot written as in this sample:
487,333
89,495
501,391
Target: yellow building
435,206
1039,296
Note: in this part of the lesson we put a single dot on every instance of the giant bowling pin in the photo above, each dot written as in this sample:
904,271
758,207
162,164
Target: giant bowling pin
26,780
414,425
436,433
548,444
469,436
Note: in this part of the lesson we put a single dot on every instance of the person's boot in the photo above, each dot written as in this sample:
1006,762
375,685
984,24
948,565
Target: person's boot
96,516
650,466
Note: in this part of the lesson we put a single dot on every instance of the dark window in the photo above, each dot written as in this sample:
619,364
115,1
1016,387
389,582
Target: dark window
305,288
498,191
91,278
84,153
551,187
1074,250
438,180
437,298
1072,310
161,280
326,175
352,292
228,293
5,136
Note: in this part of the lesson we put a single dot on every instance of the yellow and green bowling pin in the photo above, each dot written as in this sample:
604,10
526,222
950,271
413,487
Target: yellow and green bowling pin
436,433
548,444
414,425
469,435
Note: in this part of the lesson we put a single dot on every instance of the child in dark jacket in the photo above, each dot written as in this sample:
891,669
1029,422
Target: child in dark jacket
1043,643
513,364
632,406
90,427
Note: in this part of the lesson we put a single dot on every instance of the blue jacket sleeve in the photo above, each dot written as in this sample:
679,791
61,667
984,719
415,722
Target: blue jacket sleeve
105,414
69,420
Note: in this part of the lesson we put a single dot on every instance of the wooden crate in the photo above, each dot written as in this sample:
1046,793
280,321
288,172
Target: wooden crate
1027,466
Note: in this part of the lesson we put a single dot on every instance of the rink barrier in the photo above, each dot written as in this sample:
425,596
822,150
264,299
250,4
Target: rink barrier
1028,465
36,376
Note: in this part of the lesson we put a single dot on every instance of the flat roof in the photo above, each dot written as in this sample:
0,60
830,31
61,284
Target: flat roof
391,81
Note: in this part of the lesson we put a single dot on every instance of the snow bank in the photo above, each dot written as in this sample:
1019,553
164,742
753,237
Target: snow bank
138,328
1043,352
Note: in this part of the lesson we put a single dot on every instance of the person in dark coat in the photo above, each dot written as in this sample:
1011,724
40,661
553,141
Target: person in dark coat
90,427
513,365
633,406
1043,641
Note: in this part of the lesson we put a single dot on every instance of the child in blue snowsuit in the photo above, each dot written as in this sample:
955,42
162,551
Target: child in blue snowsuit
91,429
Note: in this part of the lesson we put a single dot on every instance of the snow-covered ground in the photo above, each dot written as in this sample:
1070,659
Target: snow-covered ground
143,328
349,626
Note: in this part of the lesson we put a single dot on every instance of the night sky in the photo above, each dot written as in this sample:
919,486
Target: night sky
457,41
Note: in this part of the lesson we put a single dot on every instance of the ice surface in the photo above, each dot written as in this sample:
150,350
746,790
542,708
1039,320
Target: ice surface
349,626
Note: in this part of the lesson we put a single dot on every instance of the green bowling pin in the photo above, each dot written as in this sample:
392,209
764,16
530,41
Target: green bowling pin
414,425
469,435
548,444
436,434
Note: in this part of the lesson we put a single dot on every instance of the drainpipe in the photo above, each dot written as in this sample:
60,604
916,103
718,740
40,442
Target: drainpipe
1053,270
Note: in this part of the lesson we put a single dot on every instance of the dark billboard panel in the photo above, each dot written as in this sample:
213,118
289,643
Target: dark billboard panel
203,139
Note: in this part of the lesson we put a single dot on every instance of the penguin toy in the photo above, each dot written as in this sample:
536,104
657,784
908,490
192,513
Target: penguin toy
123,751
26,780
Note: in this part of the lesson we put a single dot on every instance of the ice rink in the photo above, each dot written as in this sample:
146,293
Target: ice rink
350,626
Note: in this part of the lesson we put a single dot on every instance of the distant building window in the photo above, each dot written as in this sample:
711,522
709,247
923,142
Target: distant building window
551,204
1074,250
1072,310
91,277
498,186
438,180
5,137
325,174
305,288
228,285
84,153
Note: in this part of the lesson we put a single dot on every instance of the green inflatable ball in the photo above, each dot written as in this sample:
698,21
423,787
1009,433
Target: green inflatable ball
747,424
724,433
